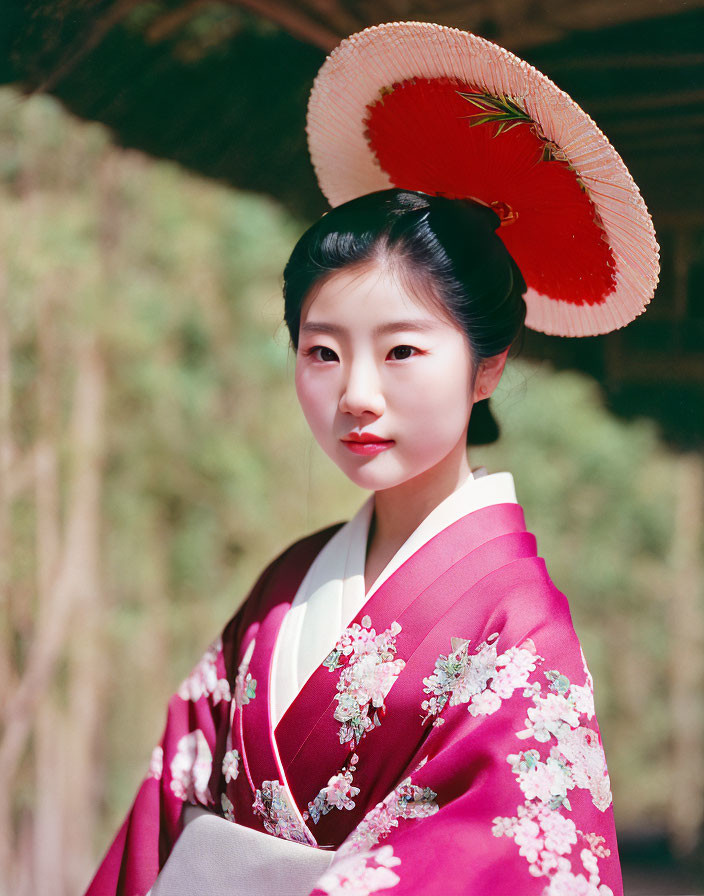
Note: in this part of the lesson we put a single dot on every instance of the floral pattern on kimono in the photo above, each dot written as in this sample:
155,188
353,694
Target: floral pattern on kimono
337,794
405,801
455,737
360,873
481,680
204,680
272,804
245,685
230,765
568,758
191,768
369,671
575,759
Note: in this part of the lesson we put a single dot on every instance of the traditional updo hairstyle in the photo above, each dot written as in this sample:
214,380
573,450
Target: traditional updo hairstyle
445,249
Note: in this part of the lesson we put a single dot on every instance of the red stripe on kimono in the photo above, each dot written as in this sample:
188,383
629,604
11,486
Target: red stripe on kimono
447,744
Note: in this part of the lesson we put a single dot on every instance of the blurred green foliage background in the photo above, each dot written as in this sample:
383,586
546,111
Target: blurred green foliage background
206,470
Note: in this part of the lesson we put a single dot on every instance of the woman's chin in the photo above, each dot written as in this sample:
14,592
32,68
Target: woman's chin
371,474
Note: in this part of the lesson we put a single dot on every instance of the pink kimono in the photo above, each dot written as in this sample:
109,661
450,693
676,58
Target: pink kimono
447,744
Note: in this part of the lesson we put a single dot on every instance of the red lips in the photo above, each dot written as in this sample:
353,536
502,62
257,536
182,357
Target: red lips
364,437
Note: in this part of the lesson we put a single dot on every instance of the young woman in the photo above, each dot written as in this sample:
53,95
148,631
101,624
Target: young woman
401,703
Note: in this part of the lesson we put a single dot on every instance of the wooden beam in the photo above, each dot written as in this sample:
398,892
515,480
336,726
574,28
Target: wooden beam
592,14
88,42
165,25
297,22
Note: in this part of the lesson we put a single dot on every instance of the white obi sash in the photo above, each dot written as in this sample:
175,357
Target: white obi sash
214,857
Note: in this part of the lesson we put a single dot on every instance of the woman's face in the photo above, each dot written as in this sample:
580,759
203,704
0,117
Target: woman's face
374,362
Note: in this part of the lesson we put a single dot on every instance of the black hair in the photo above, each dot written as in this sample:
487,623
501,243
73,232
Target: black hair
450,245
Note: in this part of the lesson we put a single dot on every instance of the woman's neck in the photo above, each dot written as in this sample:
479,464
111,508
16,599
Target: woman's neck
398,511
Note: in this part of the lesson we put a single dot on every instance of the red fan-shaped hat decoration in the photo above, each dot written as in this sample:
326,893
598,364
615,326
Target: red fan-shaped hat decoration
425,107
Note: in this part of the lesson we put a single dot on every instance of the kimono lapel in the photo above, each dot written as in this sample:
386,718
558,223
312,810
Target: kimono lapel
309,737
252,716
388,602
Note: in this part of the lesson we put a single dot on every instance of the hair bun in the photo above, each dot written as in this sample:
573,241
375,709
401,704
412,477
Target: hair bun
491,216
483,428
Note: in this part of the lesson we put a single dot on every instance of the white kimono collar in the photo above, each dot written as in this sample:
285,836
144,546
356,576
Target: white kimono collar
332,592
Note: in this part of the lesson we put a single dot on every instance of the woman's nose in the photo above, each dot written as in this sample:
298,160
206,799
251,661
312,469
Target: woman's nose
362,393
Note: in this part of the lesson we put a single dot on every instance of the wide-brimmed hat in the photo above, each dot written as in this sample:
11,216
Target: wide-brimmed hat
425,107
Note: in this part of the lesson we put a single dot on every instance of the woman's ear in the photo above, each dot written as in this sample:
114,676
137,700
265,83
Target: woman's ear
488,375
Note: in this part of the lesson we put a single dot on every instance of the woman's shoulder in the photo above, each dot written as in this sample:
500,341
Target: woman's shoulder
287,567
295,557
306,547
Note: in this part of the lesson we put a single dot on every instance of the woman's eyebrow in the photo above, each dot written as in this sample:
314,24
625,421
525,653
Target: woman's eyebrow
392,326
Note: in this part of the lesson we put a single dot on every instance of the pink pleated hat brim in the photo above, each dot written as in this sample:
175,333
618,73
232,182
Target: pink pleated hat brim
351,78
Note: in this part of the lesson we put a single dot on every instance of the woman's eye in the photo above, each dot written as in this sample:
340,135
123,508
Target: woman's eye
401,352
322,353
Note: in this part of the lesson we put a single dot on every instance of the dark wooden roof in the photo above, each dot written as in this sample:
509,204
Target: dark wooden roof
222,88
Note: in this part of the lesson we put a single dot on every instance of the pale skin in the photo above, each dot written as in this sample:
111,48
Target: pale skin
374,358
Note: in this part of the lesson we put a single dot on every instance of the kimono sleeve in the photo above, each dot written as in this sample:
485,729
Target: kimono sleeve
184,767
508,794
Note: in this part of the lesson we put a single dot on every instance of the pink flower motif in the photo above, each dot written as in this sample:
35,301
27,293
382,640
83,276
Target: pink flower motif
565,883
551,715
597,844
231,765
339,791
484,704
545,835
560,832
272,804
228,810
527,836
406,800
355,875
366,677
513,669
203,680
191,768
156,763
381,680
583,699
503,826
583,750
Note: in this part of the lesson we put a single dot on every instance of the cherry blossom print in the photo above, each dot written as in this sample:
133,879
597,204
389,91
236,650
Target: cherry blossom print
406,800
231,765
156,763
360,874
272,804
245,685
191,768
228,810
481,679
550,716
571,758
545,781
369,671
583,750
203,680
338,794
